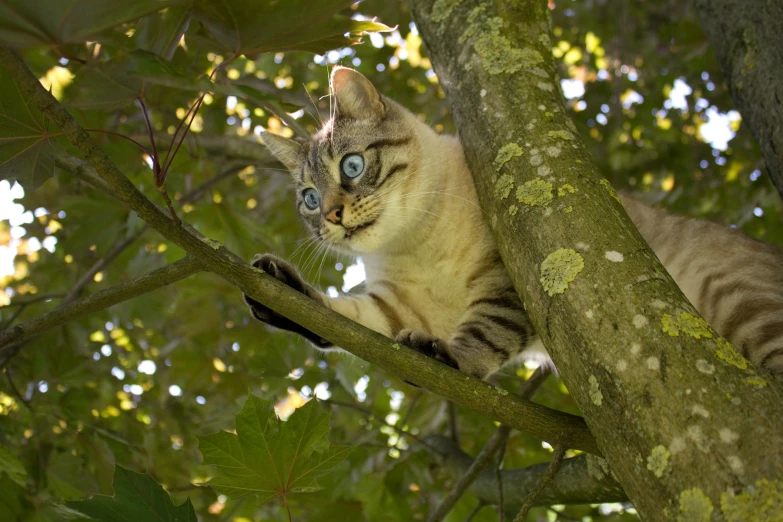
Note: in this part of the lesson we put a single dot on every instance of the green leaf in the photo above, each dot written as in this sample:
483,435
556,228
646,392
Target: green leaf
136,497
160,33
12,466
250,27
269,458
57,22
26,146
67,477
117,82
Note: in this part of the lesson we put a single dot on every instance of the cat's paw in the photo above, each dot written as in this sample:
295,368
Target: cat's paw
286,274
428,345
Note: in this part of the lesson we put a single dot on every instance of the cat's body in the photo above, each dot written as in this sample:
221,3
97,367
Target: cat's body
390,189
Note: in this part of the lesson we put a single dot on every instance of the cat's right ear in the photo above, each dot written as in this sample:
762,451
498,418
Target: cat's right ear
289,152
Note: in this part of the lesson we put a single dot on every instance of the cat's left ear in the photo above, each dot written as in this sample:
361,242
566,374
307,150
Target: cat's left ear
355,96
289,152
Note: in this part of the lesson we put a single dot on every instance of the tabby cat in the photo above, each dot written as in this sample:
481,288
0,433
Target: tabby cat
378,183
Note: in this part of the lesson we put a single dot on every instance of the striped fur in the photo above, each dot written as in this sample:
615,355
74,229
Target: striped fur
734,281
435,280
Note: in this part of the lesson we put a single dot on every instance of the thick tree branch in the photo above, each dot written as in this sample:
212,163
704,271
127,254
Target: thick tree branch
98,301
486,399
747,36
576,260
581,480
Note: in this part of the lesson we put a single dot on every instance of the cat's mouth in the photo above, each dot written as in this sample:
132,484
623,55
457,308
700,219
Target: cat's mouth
354,230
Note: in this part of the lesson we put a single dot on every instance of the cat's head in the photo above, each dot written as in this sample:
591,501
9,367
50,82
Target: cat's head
357,179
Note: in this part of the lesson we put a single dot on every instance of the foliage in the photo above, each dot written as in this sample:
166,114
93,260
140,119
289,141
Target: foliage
269,458
136,497
138,384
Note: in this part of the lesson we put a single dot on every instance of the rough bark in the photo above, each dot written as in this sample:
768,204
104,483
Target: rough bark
581,480
552,426
676,411
747,37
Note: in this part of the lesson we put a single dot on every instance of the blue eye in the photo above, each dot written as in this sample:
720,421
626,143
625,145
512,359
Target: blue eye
312,198
352,165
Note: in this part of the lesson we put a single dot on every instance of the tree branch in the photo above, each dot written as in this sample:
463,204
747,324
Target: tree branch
581,480
98,301
495,442
549,474
539,421
747,37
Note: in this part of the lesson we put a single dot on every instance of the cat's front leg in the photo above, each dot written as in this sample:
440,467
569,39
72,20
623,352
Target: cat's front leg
492,331
284,273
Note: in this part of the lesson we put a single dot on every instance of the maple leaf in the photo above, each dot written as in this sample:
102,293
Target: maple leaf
269,458
26,146
136,497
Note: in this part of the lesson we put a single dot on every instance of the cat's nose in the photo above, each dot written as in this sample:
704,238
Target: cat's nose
335,214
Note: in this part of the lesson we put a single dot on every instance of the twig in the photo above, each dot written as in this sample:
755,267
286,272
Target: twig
551,471
15,390
26,300
498,439
99,265
98,301
499,478
475,511
371,416
451,410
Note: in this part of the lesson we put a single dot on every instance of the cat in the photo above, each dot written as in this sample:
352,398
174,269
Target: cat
376,182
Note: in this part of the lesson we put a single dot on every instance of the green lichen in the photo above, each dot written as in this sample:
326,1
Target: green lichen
396,346
695,506
686,323
658,460
728,354
604,183
560,134
568,209
597,467
763,501
213,244
595,391
503,186
755,381
536,192
549,116
442,9
501,391
560,268
544,40
512,210
506,153
565,189
497,53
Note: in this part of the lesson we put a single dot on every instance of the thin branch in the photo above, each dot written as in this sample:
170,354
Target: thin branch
289,120
123,136
26,300
475,511
451,410
499,478
498,439
99,265
98,301
371,416
551,471
539,421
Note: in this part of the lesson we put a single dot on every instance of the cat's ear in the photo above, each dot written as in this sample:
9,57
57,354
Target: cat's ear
355,96
289,152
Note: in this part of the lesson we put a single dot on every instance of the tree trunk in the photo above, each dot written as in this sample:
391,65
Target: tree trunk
747,36
678,414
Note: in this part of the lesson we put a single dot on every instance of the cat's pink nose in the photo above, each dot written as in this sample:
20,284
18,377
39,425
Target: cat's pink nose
335,215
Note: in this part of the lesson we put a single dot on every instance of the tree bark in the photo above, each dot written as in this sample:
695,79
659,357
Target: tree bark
747,37
585,479
676,411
